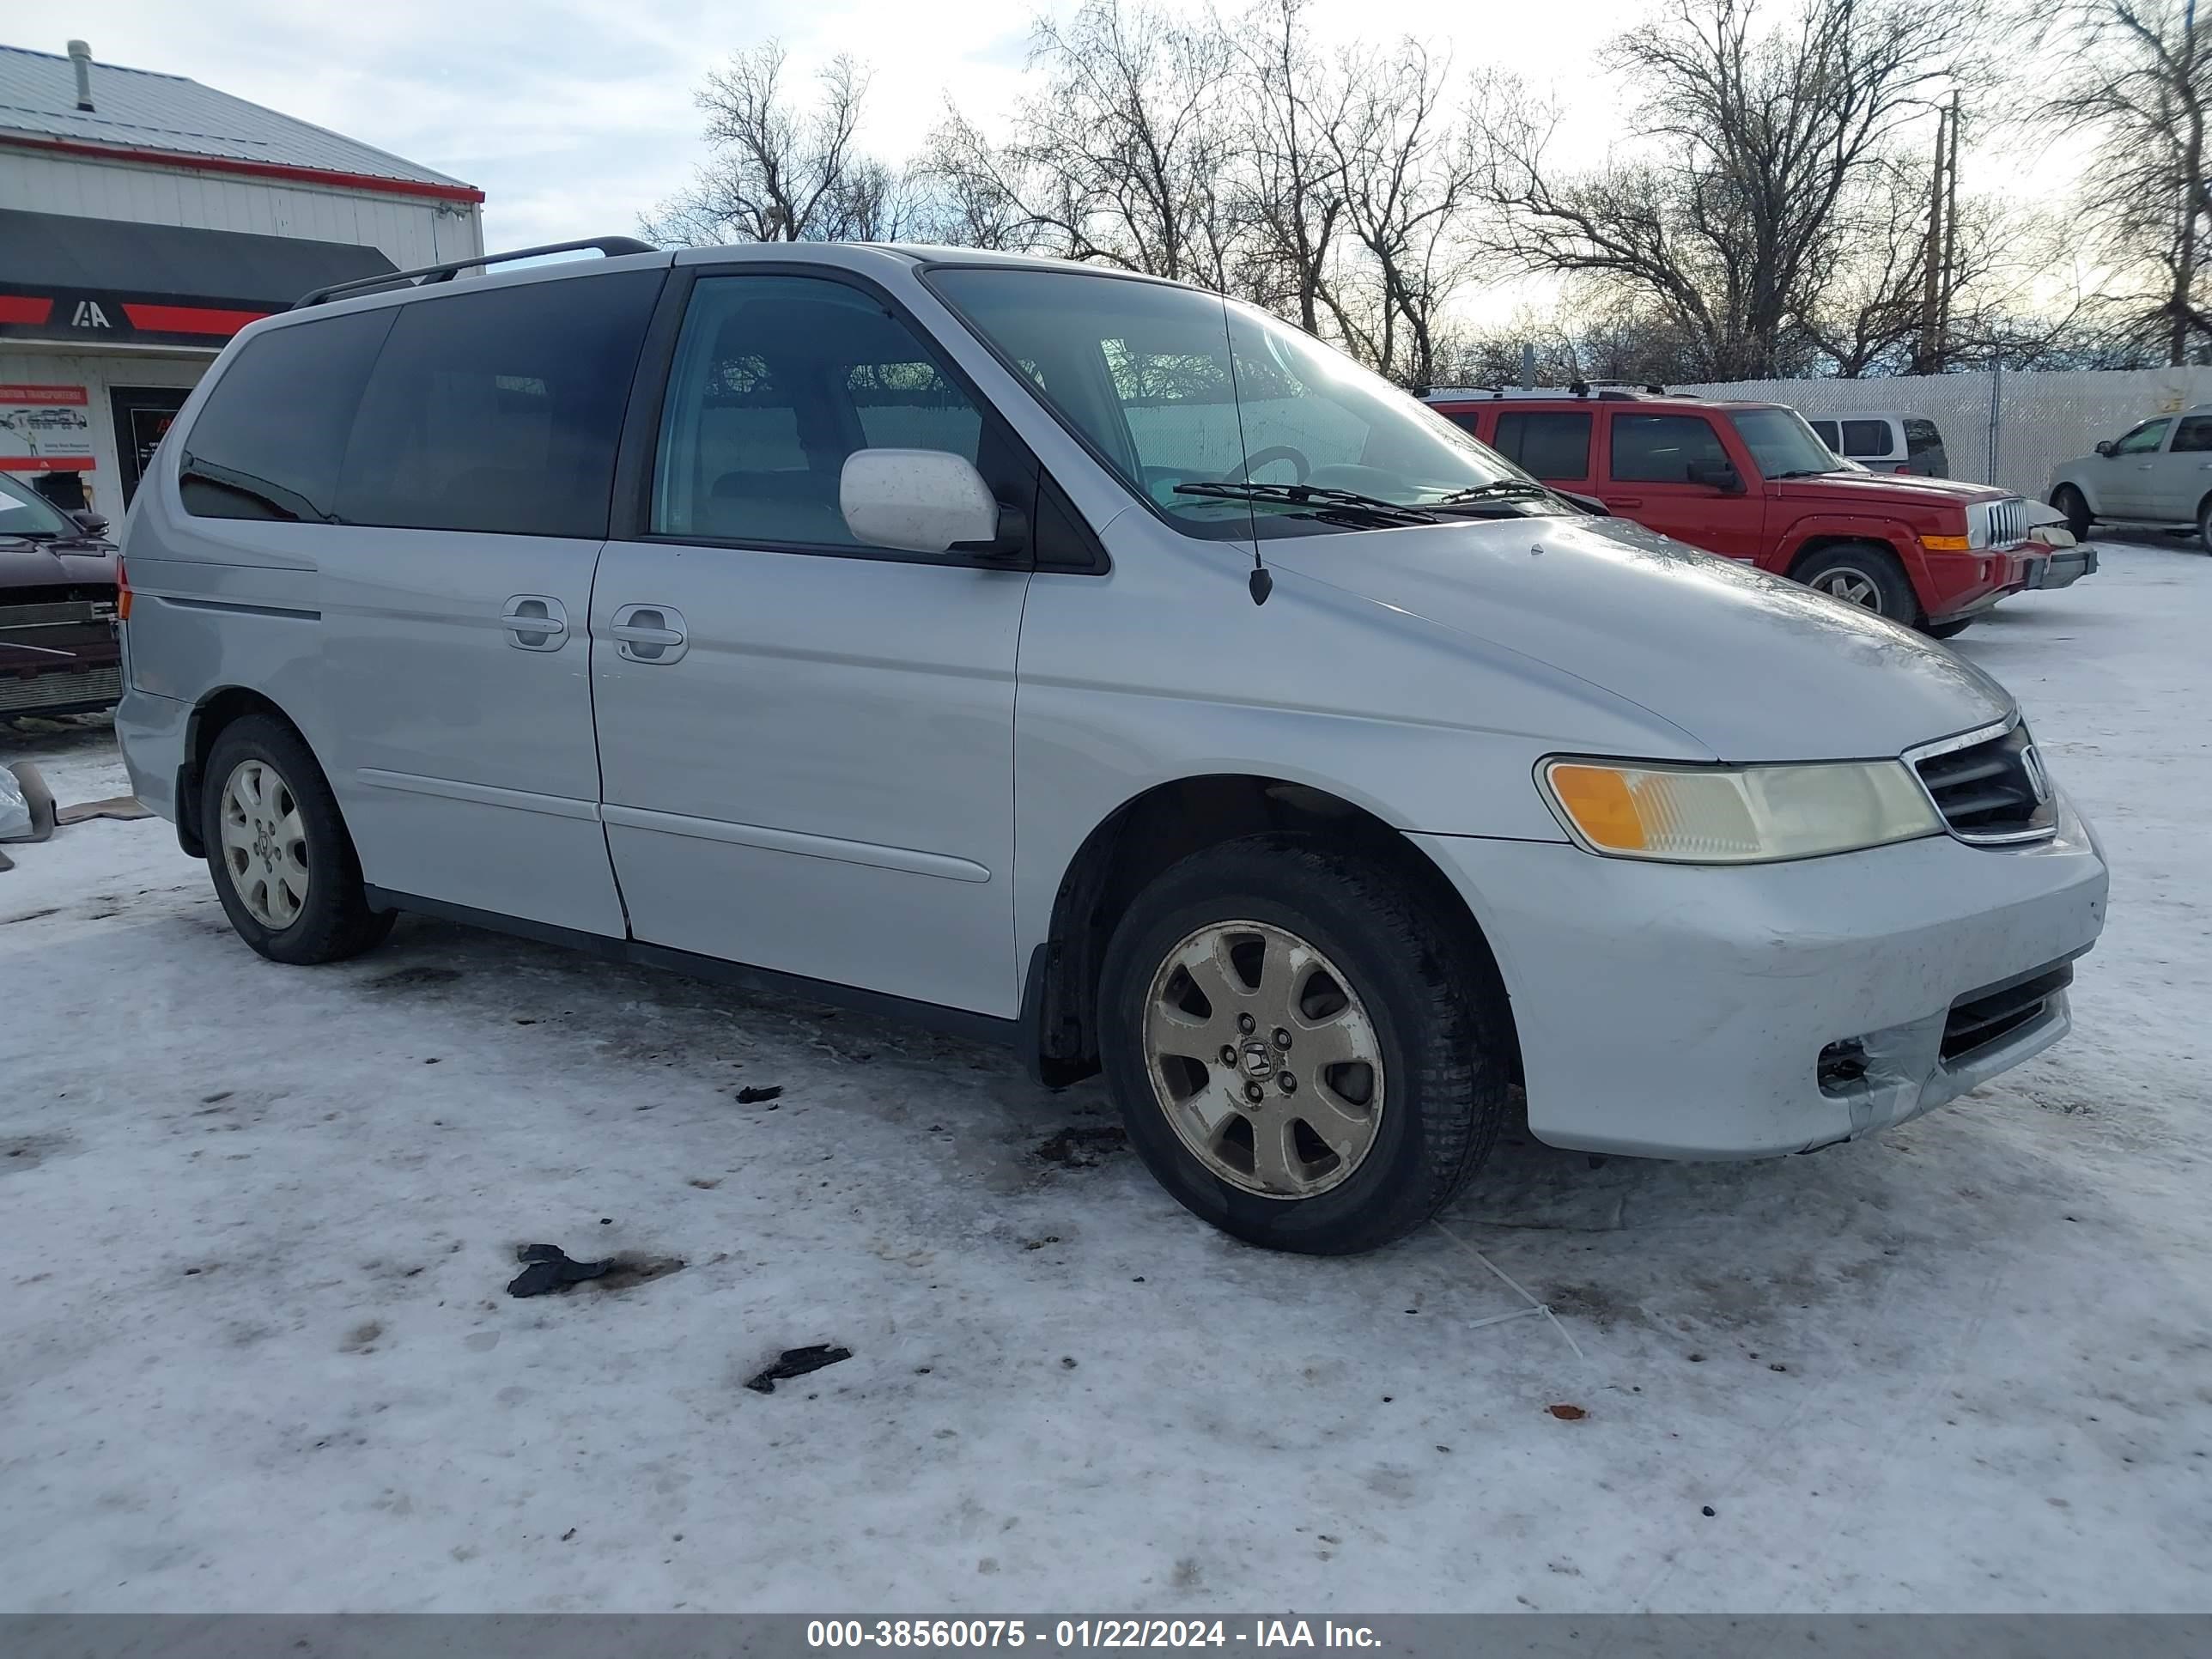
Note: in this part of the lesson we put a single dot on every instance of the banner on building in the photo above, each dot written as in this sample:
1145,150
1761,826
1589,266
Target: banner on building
45,428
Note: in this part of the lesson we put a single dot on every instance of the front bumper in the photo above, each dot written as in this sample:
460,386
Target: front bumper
1673,1011
2068,565
1962,585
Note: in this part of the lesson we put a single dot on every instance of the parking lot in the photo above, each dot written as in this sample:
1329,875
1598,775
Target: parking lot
256,1353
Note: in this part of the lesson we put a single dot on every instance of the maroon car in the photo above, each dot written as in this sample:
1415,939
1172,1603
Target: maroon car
58,652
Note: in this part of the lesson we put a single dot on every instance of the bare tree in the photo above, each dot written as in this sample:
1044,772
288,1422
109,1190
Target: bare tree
780,174
2140,84
1730,215
1290,197
1408,177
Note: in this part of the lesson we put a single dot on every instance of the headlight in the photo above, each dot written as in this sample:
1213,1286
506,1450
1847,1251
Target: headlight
1737,815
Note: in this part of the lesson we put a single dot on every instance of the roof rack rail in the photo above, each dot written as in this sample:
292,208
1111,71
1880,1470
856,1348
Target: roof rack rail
1614,388
610,246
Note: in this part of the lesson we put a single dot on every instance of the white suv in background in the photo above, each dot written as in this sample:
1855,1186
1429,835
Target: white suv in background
1887,443
2157,472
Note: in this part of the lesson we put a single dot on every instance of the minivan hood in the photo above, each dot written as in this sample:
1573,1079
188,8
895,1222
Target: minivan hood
1754,667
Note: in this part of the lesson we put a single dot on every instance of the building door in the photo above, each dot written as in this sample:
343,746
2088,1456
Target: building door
142,414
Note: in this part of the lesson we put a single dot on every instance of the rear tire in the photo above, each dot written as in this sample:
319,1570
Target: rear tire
283,864
1399,1044
2204,523
1863,575
2070,501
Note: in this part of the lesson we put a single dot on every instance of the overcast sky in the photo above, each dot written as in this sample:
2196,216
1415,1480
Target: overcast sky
574,116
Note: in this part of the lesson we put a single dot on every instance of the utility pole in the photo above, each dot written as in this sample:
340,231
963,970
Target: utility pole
1925,360
1945,277
2192,162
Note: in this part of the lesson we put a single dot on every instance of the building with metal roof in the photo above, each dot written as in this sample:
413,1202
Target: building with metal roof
144,219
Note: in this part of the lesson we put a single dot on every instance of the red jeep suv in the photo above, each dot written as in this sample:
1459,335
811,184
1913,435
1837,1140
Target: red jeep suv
1752,482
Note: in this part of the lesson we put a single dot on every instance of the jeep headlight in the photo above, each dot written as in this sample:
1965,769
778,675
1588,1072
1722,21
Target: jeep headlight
1736,814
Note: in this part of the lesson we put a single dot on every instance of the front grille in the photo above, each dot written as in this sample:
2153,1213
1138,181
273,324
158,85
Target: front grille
89,688
1990,789
60,614
1982,1018
2008,521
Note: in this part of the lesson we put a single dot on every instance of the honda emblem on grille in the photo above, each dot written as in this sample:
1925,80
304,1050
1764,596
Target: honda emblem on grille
2031,762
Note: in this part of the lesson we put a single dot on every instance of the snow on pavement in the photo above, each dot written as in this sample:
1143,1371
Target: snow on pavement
255,1224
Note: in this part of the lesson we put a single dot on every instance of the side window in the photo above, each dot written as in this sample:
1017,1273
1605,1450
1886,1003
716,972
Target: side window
1660,448
1922,437
1545,446
776,381
499,411
2143,440
271,438
1866,439
1826,432
2194,434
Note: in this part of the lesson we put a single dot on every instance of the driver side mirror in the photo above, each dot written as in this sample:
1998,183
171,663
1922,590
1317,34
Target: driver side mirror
93,524
1717,475
921,501
2104,446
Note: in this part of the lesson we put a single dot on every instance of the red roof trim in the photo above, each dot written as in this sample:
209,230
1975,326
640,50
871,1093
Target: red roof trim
189,319
23,308
252,169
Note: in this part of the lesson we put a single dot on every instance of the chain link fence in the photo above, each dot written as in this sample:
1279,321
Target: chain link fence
2011,430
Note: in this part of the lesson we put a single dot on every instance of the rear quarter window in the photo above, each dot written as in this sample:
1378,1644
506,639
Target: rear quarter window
269,440
1862,439
1922,437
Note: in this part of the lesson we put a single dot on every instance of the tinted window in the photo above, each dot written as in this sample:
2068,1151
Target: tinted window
1661,448
1826,430
2194,432
1545,446
270,440
776,381
1922,437
2143,440
1864,438
499,411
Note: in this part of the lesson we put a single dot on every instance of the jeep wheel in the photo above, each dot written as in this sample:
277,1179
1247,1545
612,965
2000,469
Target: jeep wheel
1861,574
1302,1055
2070,501
285,866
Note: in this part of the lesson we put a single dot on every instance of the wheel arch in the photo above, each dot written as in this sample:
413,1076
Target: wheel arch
1151,831
1892,539
221,707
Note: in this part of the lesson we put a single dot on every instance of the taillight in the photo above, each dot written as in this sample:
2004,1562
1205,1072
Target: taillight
122,591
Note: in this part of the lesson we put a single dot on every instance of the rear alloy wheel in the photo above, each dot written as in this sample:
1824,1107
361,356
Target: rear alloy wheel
1863,575
2070,501
285,866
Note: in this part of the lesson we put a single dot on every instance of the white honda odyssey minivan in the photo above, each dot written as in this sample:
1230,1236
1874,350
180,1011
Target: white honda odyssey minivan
1088,663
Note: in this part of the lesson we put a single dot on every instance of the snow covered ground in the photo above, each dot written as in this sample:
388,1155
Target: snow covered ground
255,1224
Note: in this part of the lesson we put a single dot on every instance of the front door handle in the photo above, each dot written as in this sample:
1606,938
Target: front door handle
1624,501
535,621
652,634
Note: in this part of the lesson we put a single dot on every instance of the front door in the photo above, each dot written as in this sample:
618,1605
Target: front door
1648,478
806,743
457,594
2122,480
142,414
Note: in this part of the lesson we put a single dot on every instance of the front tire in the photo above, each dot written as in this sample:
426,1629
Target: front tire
285,866
1863,574
1304,1054
2070,501
1950,630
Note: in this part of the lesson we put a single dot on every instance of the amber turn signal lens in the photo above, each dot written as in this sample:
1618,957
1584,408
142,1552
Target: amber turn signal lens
1944,543
1598,799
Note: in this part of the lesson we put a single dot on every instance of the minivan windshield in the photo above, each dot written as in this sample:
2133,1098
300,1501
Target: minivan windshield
1192,399
1783,445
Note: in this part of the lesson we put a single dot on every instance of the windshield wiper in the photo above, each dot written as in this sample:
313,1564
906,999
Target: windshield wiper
1806,472
1345,506
1502,489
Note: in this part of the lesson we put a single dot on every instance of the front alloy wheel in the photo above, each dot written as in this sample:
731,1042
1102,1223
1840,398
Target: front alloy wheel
264,844
1263,1059
1851,586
